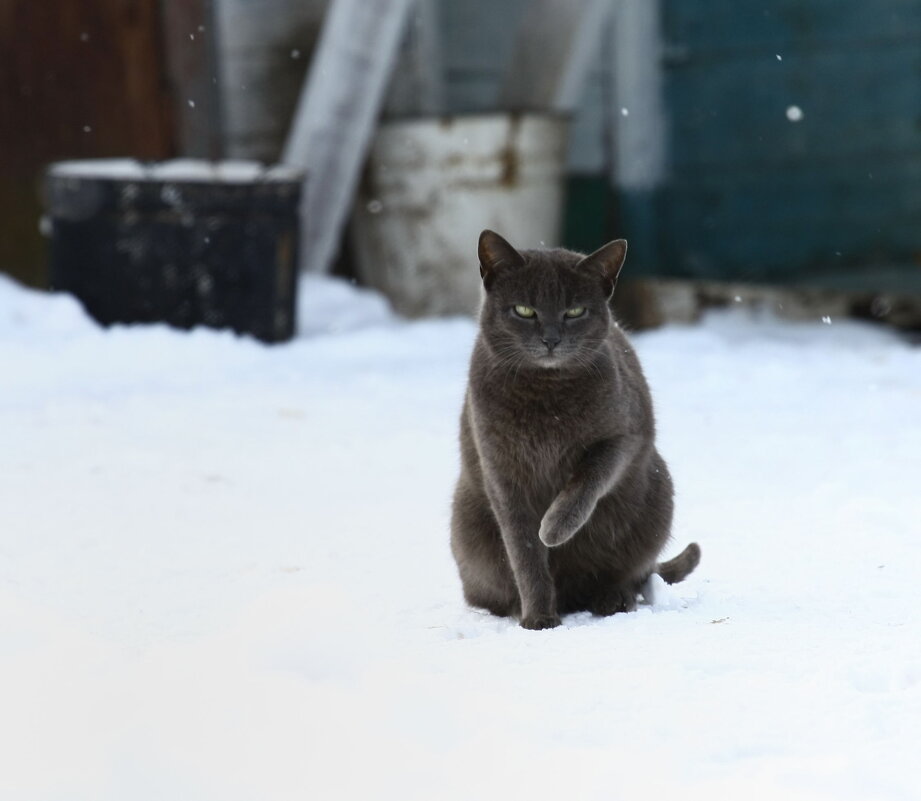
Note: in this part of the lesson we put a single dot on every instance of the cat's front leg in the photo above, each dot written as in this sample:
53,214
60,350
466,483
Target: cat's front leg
528,558
536,622
600,469
530,565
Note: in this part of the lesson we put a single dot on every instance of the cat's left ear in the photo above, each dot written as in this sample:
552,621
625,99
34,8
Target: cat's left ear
608,260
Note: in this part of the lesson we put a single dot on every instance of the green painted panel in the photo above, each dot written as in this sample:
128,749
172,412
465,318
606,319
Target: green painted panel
751,194
587,213
749,25
861,104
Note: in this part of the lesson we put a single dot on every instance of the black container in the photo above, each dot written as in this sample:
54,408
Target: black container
186,243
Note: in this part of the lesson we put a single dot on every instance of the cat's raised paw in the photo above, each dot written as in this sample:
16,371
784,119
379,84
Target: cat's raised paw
538,622
562,520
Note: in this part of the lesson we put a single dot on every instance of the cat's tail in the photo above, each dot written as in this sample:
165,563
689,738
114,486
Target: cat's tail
679,568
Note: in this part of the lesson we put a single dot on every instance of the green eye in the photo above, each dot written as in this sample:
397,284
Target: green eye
525,311
575,311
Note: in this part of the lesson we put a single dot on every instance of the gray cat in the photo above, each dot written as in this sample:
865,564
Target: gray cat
563,503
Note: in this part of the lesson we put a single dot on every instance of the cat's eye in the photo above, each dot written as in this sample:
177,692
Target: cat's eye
575,311
525,311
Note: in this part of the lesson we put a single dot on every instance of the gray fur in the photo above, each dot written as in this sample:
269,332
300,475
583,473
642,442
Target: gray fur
563,503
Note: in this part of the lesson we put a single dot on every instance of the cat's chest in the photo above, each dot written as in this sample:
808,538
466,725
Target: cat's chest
537,424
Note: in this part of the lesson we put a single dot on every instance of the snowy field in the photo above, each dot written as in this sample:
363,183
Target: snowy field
225,573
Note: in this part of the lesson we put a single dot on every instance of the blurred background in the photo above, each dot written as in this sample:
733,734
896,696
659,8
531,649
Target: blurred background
760,152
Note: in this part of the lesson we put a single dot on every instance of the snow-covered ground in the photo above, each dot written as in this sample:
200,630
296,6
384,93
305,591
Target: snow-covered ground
225,574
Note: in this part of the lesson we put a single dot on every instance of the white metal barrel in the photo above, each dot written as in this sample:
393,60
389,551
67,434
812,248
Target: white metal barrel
432,185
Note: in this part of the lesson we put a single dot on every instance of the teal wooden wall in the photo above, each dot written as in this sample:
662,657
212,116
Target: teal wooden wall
834,198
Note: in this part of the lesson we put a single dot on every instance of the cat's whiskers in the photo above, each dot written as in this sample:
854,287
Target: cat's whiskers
587,355
521,361
509,360
507,356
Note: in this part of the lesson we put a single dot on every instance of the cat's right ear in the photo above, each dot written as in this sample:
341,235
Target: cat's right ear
608,260
495,254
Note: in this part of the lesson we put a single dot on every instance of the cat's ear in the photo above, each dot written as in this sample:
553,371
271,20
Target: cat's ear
495,254
608,260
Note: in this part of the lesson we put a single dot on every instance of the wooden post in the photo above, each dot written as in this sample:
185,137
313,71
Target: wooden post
417,84
191,36
553,54
636,101
337,113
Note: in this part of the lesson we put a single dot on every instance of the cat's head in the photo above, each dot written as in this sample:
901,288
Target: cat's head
546,308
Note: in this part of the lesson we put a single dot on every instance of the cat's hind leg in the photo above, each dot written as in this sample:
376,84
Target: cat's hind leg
488,589
622,596
614,599
482,561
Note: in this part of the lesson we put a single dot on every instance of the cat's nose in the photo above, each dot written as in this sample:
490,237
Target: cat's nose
550,337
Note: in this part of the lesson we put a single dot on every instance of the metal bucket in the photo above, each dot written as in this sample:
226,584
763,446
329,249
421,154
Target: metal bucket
432,185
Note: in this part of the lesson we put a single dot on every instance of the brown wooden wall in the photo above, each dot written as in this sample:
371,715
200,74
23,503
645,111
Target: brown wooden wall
78,79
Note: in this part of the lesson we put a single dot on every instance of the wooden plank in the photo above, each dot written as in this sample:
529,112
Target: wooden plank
553,53
82,80
830,194
264,52
753,25
787,224
477,35
636,104
854,102
646,303
77,80
337,113
250,26
417,85
190,35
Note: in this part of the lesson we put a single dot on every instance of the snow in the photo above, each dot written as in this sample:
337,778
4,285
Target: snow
231,171
225,574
